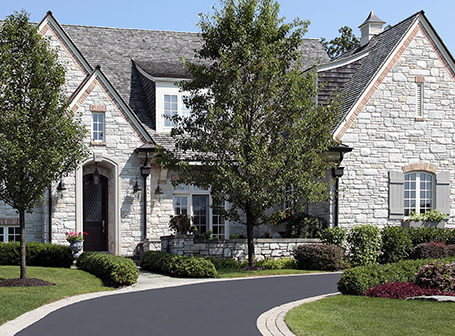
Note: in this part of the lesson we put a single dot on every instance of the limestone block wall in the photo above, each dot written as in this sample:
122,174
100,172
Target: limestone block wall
389,133
232,248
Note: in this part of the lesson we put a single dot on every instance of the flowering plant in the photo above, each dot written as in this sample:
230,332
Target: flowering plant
279,216
180,224
73,236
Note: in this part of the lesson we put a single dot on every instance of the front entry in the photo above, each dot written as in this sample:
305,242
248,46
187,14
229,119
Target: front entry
95,213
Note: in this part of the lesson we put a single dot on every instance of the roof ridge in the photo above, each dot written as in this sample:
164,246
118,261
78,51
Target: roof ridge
135,29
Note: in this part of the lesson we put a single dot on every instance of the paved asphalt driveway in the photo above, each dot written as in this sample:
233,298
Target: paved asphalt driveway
221,308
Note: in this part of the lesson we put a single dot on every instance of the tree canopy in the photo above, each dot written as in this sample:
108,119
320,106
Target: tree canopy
255,129
341,44
40,140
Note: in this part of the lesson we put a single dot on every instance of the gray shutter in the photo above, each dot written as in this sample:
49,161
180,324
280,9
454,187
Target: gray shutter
443,192
396,195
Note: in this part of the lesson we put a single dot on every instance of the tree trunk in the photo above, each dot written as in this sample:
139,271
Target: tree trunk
250,242
22,245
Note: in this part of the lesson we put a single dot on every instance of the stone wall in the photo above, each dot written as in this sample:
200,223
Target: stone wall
232,248
389,133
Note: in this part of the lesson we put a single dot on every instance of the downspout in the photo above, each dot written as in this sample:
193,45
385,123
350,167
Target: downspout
50,214
145,172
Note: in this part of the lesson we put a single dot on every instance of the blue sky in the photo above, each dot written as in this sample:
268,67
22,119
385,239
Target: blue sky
182,15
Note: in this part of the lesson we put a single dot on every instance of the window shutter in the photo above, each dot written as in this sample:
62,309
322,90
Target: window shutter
396,195
443,192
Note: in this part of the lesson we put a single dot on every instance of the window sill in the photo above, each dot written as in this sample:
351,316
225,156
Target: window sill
95,143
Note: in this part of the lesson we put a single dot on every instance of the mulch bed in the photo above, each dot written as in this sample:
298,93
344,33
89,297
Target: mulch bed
252,268
25,282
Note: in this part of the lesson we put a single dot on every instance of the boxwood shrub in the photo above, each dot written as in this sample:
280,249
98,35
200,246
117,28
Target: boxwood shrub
356,281
37,254
396,244
177,265
318,257
118,270
431,250
282,263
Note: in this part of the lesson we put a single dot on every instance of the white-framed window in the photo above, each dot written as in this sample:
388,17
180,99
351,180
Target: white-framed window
418,192
195,202
174,105
98,127
10,234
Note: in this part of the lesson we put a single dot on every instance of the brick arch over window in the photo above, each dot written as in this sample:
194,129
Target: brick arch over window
396,189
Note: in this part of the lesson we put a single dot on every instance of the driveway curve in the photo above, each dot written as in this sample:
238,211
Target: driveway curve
221,308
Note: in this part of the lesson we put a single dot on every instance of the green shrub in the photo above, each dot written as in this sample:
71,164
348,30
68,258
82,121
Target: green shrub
364,244
450,250
272,264
431,250
302,225
437,275
334,236
318,257
356,281
178,266
230,263
37,254
396,244
112,268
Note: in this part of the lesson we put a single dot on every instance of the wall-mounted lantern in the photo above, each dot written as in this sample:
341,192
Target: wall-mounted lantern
61,185
96,175
158,192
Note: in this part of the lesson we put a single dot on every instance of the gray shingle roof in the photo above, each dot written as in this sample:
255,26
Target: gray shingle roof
379,49
158,53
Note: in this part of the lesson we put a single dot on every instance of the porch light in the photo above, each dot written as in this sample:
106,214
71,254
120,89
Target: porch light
158,192
61,186
137,187
96,176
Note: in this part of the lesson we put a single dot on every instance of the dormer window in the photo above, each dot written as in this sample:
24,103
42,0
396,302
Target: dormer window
174,105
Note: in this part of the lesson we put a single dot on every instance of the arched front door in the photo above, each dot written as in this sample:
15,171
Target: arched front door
95,214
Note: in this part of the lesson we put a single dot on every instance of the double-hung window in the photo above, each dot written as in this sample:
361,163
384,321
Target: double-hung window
10,234
98,127
195,202
174,105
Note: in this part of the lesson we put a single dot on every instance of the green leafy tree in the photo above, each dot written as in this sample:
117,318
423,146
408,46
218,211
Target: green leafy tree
255,128
341,44
40,140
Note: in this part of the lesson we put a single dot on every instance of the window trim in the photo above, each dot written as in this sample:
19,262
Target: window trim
103,131
182,111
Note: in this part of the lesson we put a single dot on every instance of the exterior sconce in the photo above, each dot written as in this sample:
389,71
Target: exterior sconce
61,186
158,192
137,187
96,175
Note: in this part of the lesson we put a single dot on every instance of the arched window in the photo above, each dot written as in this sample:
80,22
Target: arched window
418,192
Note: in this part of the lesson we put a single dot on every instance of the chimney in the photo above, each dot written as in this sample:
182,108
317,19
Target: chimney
372,26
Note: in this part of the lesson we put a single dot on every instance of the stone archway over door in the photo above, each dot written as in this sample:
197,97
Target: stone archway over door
95,214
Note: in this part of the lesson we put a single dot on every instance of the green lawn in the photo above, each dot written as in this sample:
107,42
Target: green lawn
235,273
358,315
68,282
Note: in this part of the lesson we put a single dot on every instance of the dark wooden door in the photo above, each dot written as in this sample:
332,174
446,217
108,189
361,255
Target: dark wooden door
95,214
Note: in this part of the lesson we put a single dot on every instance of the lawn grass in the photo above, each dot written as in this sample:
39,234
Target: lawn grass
359,315
236,273
16,301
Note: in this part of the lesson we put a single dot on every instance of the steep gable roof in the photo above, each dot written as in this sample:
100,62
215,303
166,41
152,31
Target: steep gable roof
355,72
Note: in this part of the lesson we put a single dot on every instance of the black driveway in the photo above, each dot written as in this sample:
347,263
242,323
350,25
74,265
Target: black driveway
225,308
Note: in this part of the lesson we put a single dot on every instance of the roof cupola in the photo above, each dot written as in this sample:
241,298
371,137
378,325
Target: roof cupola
372,26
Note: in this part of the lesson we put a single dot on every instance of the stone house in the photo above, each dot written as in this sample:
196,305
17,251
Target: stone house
396,128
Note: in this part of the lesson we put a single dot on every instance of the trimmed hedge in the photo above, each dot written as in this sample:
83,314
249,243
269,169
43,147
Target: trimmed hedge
319,257
431,250
177,265
364,244
37,254
396,244
356,281
108,267
282,263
